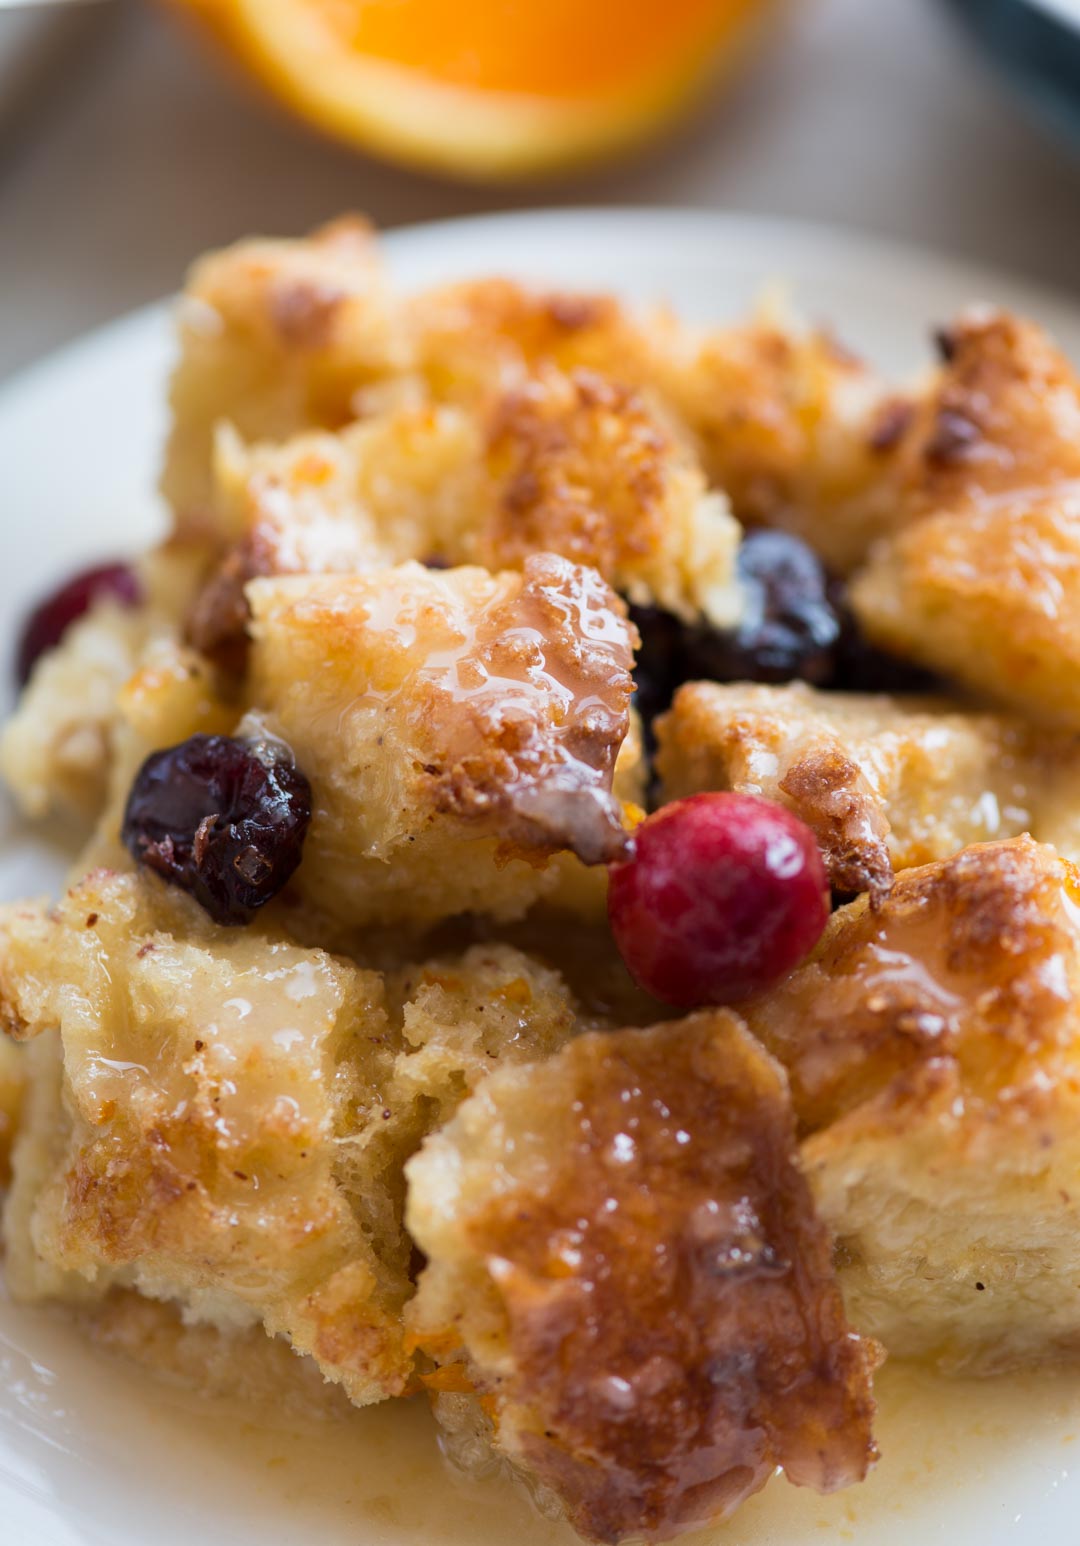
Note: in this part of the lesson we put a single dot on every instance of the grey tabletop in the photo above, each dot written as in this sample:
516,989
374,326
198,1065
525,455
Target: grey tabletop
876,114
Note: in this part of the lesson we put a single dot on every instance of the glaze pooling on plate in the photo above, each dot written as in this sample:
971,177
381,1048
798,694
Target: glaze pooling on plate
779,1501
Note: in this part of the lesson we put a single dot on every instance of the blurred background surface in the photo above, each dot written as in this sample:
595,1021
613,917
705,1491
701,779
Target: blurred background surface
875,114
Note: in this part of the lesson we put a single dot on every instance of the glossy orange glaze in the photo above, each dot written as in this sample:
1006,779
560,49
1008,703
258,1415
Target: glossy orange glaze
675,1326
971,961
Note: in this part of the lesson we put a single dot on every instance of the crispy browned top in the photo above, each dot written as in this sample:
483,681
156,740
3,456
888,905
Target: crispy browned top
884,782
1005,413
471,334
763,397
582,468
500,701
970,962
831,793
674,1325
563,633
987,594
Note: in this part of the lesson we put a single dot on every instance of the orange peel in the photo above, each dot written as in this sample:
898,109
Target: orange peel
485,90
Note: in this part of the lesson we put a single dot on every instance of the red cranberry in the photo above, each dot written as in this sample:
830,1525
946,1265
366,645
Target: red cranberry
224,820
723,895
52,618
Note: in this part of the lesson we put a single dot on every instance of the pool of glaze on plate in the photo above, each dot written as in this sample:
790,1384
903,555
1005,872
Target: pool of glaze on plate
117,1446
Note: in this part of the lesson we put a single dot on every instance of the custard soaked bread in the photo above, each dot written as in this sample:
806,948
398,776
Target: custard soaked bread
980,581
885,782
458,729
276,336
513,421
628,1292
571,464
219,1117
932,1046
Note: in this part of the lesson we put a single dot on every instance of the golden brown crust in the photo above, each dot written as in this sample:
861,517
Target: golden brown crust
885,783
469,337
1003,413
582,467
989,595
554,462
624,1242
782,417
932,1045
229,1121
800,437
831,794
980,579
276,336
450,722
967,961
787,422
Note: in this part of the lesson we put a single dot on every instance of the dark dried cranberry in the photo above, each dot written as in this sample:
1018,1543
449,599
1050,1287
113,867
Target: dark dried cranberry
660,665
52,618
796,626
788,629
224,820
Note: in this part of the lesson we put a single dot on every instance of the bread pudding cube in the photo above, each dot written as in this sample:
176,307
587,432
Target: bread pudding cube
989,595
475,334
595,471
562,463
787,423
278,337
933,1049
204,1080
458,729
219,1118
1001,414
800,436
980,580
628,1292
884,783
275,337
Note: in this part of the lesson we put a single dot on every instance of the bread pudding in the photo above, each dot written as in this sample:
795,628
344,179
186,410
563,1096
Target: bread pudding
576,916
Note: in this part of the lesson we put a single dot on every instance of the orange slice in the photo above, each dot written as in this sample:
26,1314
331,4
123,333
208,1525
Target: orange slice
487,88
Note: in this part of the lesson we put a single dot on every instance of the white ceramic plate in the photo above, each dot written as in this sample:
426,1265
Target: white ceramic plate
94,1453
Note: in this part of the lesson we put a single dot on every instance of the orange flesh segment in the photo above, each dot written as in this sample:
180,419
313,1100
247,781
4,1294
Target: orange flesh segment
546,48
